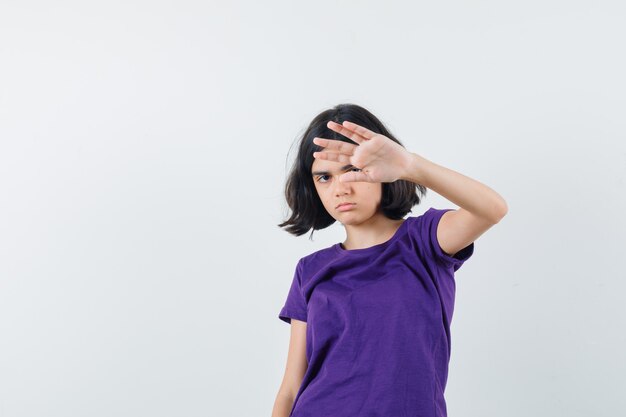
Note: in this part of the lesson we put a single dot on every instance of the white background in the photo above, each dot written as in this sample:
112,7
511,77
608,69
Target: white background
143,151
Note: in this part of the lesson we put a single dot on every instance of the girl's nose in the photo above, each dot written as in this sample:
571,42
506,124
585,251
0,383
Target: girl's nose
341,187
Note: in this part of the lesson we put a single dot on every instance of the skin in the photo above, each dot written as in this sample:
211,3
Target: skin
379,159
365,224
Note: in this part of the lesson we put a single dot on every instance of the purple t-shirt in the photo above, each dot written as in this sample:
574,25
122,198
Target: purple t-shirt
378,324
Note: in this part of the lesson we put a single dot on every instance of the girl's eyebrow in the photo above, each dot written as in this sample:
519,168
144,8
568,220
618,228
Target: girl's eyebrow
343,168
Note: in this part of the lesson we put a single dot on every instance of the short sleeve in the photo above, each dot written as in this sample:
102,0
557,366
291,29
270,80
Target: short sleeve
295,304
428,238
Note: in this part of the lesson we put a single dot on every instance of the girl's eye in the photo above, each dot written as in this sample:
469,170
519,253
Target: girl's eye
319,179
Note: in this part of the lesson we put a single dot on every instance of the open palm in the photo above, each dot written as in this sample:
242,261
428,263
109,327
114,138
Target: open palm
379,158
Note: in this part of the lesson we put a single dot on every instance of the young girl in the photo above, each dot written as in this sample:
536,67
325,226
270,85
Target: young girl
370,317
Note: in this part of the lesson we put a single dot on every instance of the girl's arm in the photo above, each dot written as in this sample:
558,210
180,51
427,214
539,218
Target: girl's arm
381,159
480,206
294,371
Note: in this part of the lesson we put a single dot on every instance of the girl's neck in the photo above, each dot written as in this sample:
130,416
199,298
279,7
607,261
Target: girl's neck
376,230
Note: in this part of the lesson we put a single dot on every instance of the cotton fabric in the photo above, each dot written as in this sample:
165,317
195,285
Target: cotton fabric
378,319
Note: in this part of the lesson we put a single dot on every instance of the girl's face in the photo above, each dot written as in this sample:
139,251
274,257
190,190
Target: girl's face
365,196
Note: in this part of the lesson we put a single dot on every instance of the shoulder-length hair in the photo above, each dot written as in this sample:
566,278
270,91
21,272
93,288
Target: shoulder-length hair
308,212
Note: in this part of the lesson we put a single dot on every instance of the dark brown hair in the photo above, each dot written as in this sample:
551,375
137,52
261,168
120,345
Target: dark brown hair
308,212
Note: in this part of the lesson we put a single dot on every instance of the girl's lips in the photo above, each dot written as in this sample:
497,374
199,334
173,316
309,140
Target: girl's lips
344,207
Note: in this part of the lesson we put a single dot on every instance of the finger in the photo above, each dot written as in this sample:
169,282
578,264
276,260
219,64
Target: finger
362,131
345,132
332,156
355,177
335,145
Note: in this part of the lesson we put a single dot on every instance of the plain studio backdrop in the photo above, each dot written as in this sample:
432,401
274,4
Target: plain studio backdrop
143,151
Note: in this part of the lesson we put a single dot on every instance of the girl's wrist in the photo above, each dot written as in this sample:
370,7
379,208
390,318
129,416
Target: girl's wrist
413,167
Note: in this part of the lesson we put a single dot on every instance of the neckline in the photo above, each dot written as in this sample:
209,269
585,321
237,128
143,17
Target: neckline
373,248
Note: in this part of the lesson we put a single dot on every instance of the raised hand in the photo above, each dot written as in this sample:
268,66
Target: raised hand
379,158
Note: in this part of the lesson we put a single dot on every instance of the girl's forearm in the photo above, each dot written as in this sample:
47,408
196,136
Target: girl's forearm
282,405
463,191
